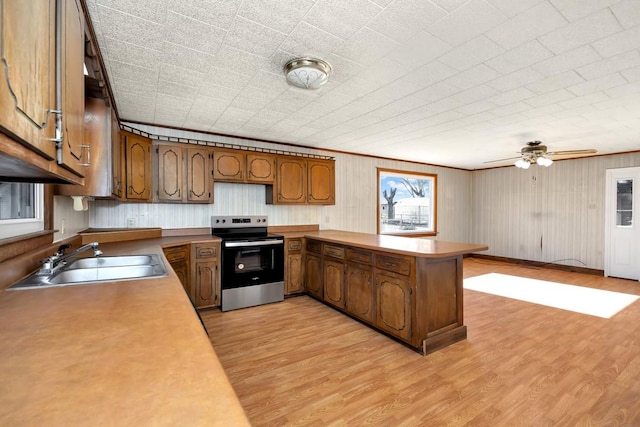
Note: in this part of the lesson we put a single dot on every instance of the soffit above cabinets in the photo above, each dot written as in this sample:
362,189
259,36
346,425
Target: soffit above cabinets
449,82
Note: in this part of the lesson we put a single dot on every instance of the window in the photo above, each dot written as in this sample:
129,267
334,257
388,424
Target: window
624,208
21,208
406,203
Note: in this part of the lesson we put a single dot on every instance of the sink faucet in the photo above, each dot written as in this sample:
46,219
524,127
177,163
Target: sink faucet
57,260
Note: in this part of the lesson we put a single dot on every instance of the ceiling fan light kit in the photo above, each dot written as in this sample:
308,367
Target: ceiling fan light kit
307,73
543,161
536,152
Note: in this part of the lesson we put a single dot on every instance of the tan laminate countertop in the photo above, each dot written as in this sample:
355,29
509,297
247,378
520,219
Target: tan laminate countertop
111,354
131,352
419,247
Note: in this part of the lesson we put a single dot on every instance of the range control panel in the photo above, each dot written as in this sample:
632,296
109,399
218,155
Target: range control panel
238,221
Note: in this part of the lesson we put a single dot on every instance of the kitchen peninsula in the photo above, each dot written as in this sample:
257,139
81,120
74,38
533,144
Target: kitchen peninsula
408,288
135,350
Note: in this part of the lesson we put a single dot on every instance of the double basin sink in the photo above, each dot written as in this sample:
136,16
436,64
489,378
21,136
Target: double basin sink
96,270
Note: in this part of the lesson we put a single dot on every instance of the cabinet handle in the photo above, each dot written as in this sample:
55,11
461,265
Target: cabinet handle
87,149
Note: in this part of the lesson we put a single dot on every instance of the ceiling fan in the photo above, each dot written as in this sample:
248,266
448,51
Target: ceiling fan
536,152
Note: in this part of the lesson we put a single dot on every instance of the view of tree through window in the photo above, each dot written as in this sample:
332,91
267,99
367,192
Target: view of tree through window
406,202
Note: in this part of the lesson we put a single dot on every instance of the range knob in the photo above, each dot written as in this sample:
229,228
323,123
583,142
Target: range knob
224,220
217,221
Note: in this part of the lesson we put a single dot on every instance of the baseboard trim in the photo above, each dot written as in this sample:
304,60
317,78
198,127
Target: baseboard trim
540,264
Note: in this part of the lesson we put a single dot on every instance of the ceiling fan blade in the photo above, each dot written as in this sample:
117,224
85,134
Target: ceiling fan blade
572,152
502,160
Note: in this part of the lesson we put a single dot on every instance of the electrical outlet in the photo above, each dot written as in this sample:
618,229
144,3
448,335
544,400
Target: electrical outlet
131,222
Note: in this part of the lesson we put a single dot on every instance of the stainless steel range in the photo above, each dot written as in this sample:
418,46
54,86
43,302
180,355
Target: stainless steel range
252,270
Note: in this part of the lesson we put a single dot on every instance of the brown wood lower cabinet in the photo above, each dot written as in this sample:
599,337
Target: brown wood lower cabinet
313,275
333,275
206,282
196,265
417,300
359,292
393,305
178,257
293,266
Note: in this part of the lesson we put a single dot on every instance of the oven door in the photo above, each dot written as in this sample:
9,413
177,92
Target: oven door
248,263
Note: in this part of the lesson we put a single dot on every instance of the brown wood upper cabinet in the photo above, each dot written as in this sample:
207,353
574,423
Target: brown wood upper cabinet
137,167
302,181
183,174
27,91
116,158
261,168
74,148
103,136
229,165
243,166
321,188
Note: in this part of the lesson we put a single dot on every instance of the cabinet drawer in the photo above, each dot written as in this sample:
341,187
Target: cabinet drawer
294,245
361,257
314,246
397,264
205,251
333,251
178,253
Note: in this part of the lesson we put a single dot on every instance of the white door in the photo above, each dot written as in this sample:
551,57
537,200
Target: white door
622,223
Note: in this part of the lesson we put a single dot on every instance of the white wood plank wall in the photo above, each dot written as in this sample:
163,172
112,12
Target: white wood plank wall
553,214
66,221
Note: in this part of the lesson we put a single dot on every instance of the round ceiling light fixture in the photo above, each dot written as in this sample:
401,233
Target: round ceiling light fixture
307,73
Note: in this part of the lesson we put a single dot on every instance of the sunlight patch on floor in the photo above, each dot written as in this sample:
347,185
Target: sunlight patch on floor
595,302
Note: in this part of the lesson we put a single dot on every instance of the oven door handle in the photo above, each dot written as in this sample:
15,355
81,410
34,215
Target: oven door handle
258,243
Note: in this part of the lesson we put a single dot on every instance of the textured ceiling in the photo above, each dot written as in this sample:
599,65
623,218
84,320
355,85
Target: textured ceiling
449,82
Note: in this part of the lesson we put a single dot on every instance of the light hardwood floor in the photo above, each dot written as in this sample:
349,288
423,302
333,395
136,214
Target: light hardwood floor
302,363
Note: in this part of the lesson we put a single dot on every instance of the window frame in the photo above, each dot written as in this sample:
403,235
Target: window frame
383,173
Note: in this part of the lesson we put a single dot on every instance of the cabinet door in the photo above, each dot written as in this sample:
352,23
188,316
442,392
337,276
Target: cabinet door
137,159
27,75
116,156
97,133
393,307
206,284
291,181
74,155
261,168
228,166
334,283
359,293
293,266
313,276
321,182
293,276
199,179
169,173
